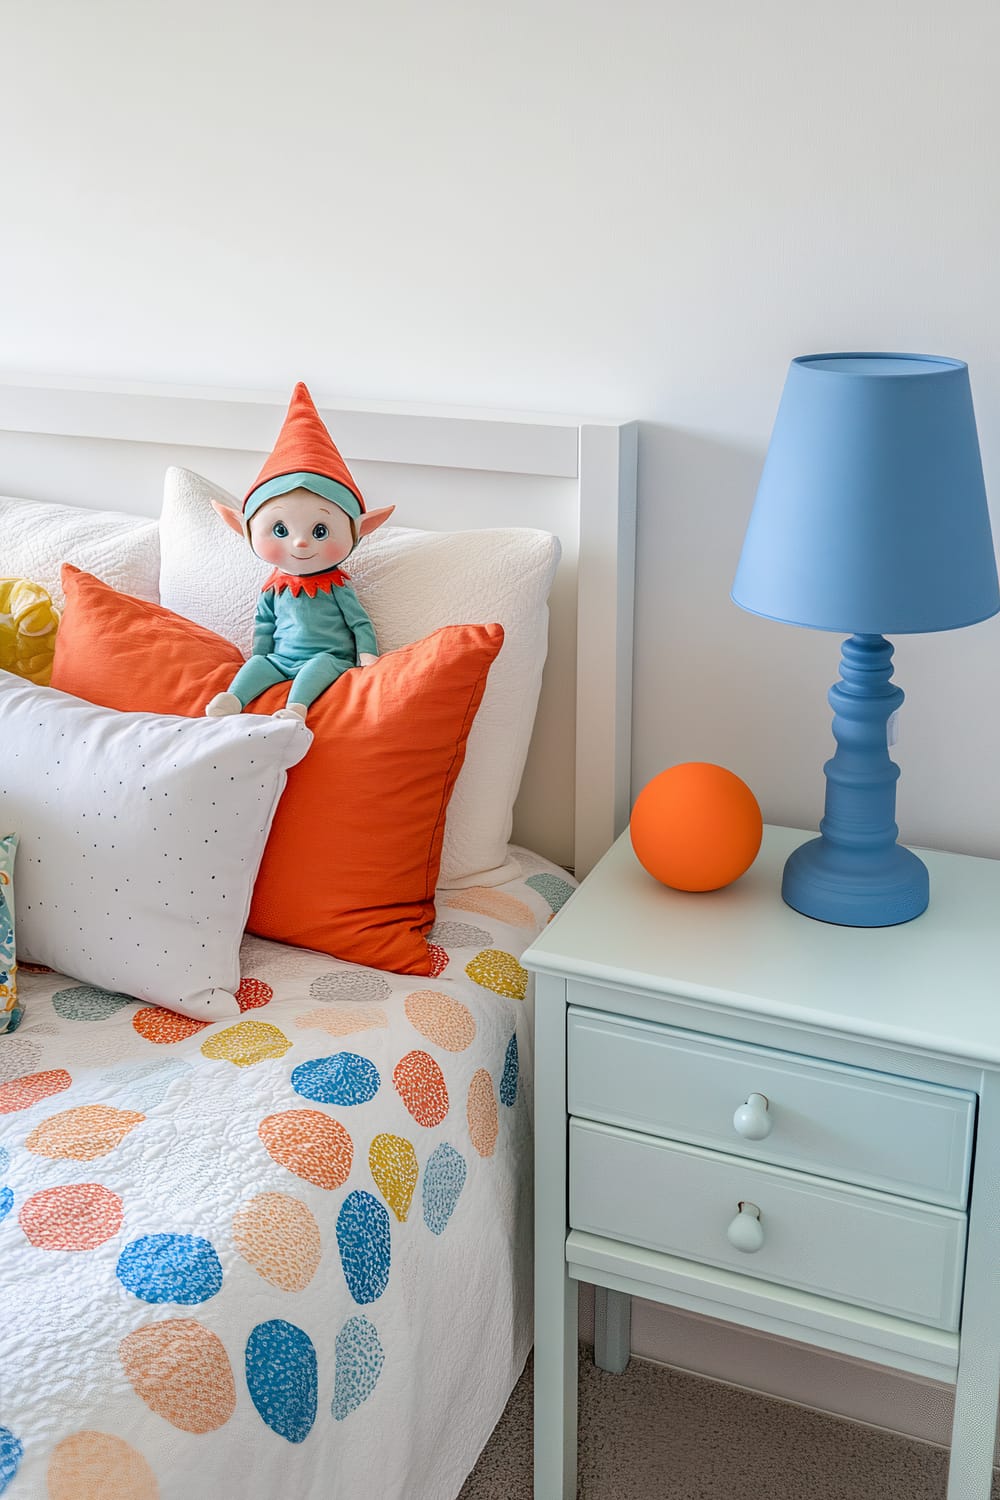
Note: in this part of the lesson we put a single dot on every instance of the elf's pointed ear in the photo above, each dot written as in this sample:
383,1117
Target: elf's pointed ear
372,520
232,517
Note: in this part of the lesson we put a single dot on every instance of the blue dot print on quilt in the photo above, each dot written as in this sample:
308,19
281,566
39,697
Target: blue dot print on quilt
4,1160
344,1078
360,1358
508,1078
444,1179
363,1241
553,890
282,1378
11,1449
6,1202
170,1268
86,1002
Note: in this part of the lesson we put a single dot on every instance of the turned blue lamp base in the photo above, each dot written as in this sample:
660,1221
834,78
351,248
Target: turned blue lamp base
855,873
839,885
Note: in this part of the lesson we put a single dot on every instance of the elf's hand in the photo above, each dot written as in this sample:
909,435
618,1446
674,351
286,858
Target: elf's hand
365,659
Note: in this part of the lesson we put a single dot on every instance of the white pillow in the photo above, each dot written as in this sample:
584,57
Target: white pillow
140,840
411,583
37,538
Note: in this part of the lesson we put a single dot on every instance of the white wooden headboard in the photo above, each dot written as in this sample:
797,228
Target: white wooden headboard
105,446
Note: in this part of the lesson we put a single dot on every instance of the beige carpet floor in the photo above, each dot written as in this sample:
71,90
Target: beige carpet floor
655,1434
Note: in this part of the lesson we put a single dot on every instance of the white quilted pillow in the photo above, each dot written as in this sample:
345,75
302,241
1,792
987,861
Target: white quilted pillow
140,837
411,583
37,538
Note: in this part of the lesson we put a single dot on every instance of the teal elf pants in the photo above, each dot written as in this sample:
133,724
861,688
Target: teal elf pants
261,672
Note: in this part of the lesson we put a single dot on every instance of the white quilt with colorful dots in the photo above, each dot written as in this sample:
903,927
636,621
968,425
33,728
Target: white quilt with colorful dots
286,1256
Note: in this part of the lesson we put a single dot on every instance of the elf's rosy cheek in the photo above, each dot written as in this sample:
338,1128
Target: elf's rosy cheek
269,547
331,550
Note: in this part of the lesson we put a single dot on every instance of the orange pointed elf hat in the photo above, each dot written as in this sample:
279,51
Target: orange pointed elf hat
304,457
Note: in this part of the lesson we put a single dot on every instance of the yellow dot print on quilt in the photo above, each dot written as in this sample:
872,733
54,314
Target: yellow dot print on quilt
98,1466
246,1043
499,972
28,624
393,1164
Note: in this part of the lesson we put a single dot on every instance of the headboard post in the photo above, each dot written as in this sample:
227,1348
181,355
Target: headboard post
605,597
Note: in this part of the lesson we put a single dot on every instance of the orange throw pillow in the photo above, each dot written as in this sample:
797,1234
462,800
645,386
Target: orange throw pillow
352,860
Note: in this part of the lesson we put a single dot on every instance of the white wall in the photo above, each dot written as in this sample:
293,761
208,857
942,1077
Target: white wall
640,209
637,209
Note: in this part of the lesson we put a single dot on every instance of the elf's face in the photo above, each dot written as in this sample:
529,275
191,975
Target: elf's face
301,533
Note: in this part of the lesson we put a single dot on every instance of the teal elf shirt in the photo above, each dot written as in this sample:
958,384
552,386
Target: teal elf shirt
291,627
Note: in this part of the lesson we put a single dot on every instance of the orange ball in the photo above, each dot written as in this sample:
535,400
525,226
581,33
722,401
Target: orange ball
696,827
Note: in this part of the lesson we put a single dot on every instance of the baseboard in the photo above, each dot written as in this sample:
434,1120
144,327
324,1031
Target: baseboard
906,1404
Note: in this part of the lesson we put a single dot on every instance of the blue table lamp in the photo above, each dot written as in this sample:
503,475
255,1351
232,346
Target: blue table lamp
870,519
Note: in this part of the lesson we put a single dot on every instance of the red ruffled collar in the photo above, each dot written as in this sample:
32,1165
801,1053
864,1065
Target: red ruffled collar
311,584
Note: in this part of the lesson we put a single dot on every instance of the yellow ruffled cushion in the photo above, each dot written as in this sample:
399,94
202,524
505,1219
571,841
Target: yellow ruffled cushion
28,624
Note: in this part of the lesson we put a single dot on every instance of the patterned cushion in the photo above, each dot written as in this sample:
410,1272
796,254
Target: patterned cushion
10,1011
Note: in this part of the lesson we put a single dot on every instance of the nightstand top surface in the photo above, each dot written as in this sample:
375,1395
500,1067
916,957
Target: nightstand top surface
933,983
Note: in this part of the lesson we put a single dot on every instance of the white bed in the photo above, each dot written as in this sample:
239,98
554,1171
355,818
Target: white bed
211,1291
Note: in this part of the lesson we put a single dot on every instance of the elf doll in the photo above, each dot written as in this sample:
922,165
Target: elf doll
305,514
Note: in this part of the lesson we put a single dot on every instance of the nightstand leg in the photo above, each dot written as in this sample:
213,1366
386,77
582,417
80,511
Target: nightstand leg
612,1329
974,1431
556,1296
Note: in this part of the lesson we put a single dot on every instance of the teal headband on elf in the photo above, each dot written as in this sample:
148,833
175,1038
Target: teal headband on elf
319,484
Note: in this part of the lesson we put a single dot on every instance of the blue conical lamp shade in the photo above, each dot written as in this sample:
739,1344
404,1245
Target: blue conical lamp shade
870,519
871,514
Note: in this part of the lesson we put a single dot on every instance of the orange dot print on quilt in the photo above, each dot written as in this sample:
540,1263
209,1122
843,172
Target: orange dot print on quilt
492,903
280,1238
82,1134
98,1466
421,1086
164,1026
481,1111
22,1093
182,1372
442,1019
343,1021
78,1217
310,1144
439,959
253,993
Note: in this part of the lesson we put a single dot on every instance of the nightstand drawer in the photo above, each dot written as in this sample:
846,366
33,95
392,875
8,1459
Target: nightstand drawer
834,1121
848,1244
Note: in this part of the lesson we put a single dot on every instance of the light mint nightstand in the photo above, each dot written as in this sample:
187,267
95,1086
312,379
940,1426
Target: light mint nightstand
770,1120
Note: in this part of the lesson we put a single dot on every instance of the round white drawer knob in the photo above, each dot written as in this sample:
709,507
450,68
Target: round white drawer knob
752,1120
746,1232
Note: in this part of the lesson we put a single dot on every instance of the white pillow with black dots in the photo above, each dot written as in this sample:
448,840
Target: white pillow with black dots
140,840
